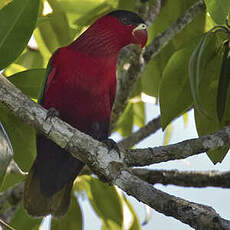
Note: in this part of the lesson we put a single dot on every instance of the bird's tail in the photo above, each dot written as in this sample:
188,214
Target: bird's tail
49,183
38,205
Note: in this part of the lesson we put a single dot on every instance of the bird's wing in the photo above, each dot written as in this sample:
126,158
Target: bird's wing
50,74
113,93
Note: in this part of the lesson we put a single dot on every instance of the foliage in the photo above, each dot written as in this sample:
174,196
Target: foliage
192,70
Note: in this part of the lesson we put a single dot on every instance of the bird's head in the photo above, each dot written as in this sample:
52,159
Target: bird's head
111,32
128,25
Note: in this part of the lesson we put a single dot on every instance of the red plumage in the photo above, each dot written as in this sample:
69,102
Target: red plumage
81,85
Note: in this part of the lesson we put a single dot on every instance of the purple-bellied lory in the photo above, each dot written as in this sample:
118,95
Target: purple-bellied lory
81,86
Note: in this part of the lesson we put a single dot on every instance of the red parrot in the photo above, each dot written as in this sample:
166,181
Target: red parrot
81,86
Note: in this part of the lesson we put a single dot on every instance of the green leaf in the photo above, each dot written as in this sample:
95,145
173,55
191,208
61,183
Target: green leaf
93,14
168,134
6,152
170,11
4,2
197,63
152,74
22,221
205,126
12,69
22,136
208,94
72,219
224,80
125,122
135,224
11,179
107,206
29,81
127,5
76,10
218,9
139,113
185,118
175,94
31,59
17,21
148,215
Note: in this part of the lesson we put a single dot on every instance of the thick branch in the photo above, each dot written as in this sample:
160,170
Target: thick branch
196,215
111,166
150,128
181,150
137,62
185,178
79,144
93,152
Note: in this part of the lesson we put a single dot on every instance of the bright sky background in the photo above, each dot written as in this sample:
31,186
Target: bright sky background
214,197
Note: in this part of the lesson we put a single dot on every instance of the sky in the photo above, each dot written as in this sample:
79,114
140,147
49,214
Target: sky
215,197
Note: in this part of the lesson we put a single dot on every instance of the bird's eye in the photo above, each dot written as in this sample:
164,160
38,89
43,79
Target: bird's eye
142,26
124,21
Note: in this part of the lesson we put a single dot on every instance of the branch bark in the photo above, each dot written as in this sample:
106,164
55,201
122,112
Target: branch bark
184,178
196,215
181,150
111,166
89,150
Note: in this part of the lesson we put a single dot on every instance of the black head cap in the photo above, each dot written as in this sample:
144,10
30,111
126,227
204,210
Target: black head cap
127,17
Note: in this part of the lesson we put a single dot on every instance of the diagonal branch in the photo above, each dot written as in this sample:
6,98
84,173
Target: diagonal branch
196,215
137,62
185,178
90,150
112,166
150,128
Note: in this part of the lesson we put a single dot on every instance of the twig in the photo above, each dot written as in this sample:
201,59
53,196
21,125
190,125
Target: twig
4,224
112,166
150,128
14,168
181,150
185,178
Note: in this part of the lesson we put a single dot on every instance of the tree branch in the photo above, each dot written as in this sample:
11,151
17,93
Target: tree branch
181,150
150,128
93,152
112,166
137,61
196,215
184,178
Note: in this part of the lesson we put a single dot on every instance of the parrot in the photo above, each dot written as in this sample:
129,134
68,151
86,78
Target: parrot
79,88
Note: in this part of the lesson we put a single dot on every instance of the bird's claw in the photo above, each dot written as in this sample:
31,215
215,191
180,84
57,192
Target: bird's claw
52,112
111,144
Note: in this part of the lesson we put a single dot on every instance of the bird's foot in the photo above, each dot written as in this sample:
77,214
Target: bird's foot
111,144
52,112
